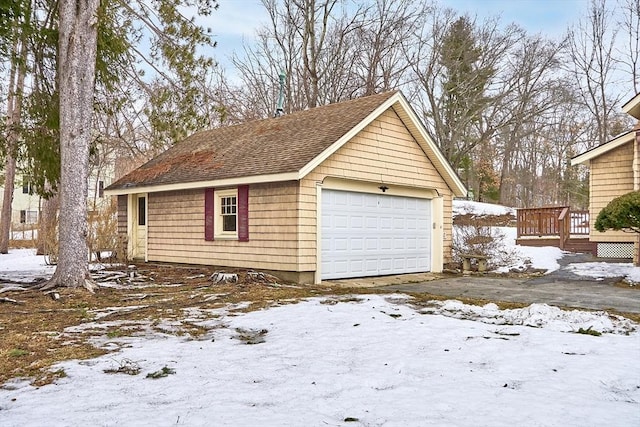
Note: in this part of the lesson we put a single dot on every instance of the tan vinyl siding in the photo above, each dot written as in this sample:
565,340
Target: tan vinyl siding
384,151
176,230
611,176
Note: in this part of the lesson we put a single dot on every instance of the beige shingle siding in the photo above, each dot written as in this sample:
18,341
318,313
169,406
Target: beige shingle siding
611,176
383,151
176,230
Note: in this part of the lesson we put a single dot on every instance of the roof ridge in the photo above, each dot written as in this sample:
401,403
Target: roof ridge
383,95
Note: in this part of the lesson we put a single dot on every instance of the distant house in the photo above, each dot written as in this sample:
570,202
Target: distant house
614,171
25,208
350,189
26,204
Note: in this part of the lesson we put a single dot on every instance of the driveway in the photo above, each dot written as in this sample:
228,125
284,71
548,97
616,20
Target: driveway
561,288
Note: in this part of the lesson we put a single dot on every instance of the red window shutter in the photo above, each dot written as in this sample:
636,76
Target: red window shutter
209,213
243,213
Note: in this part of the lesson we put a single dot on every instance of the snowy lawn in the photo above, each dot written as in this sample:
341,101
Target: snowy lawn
519,258
371,361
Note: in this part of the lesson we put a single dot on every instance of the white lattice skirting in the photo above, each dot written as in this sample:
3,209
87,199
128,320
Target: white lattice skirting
615,250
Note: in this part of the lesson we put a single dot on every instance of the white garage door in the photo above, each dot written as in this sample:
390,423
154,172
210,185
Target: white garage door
372,235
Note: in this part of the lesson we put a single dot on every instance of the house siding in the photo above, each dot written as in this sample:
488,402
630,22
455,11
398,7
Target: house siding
176,230
384,151
611,176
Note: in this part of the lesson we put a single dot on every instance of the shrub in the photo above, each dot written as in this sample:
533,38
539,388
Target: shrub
480,239
622,213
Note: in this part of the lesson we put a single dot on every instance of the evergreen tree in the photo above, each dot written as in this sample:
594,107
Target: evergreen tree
464,86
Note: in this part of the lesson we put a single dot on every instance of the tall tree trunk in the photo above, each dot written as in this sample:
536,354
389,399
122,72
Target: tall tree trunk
14,117
76,71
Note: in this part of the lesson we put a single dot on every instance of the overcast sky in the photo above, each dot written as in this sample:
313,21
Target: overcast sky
236,20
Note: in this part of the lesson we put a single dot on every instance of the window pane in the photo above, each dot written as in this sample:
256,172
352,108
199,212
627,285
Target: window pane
229,223
228,211
142,211
32,217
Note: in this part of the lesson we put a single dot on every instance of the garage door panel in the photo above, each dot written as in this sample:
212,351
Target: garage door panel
386,223
371,222
412,243
386,243
341,267
371,244
386,234
356,266
357,222
341,244
357,244
386,265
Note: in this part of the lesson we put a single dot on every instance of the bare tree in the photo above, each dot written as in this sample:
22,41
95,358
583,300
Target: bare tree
77,60
630,26
312,42
386,33
592,62
532,93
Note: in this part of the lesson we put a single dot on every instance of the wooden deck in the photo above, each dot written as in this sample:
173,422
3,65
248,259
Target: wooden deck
555,226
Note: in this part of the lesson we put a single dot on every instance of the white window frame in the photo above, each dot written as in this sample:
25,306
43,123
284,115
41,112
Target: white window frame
218,221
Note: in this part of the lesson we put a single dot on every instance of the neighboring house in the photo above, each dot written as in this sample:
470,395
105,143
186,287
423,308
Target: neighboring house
24,209
26,205
350,189
614,171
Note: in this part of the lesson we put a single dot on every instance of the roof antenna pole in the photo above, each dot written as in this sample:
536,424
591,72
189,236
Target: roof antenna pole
279,110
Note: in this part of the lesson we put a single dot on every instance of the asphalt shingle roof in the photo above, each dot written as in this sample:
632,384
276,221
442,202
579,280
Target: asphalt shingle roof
271,146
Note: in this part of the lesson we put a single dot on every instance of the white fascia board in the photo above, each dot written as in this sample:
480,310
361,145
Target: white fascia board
230,182
602,149
632,107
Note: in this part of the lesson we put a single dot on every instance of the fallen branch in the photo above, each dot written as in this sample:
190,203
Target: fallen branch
10,300
135,297
12,288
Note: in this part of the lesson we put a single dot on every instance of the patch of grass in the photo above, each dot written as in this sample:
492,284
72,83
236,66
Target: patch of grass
115,333
17,352
164,372
589,331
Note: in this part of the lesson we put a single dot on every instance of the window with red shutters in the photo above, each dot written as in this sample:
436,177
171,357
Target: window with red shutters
226,214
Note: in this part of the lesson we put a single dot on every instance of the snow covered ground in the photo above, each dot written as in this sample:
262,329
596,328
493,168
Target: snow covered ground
365,361
371,361
24,265
545,258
